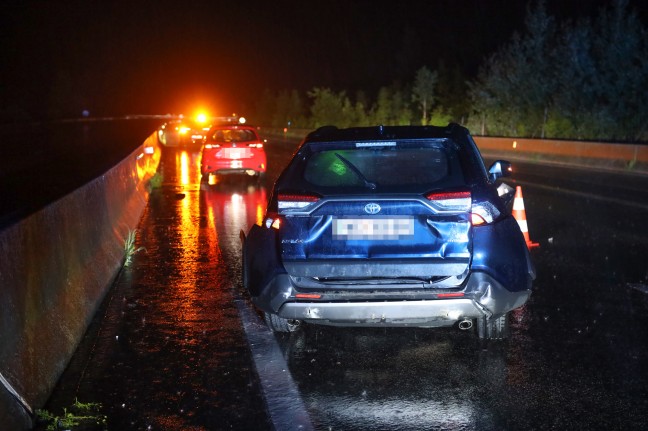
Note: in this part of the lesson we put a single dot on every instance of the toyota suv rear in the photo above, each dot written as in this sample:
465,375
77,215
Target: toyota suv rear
388,226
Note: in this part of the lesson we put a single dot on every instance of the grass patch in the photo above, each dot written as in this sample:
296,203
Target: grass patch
79,416
155,182
129,247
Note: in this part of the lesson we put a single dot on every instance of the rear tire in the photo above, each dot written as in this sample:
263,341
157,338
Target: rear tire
244,273
279,324
493,329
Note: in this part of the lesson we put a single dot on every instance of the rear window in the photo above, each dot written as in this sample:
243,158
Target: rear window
387,165
233,135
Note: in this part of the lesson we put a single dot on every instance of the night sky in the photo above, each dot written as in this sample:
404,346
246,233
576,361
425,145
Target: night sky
157,57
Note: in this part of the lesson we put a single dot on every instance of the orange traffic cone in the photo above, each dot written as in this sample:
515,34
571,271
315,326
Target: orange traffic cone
520,215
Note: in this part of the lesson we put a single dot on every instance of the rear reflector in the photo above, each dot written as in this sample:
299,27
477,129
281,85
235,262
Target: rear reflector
308,296
450,295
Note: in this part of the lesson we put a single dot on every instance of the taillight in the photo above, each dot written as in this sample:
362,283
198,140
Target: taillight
483,213
450,201
256,145
210,146
461,201
272,220
476,219
295,201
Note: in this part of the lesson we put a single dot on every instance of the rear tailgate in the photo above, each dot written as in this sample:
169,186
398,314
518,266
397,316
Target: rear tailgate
405,237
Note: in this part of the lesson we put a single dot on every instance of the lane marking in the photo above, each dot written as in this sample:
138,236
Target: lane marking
283,401
640,287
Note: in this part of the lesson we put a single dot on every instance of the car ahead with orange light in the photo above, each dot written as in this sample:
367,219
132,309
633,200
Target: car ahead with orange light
389,226
182,133
233,149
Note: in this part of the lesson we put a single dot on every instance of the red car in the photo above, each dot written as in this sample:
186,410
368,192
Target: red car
233,149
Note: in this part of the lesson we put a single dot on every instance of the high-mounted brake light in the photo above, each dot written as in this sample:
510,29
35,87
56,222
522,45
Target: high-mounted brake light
294,201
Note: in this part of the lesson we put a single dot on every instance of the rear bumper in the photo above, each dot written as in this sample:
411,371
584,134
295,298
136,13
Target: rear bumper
483,297
237,171
232,166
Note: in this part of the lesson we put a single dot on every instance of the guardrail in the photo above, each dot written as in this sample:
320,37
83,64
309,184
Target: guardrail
631,158
57,265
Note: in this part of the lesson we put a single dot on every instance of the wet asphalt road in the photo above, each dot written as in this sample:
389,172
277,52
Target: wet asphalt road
168,349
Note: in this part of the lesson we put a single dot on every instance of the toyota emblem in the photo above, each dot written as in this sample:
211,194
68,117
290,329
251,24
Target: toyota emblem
372,208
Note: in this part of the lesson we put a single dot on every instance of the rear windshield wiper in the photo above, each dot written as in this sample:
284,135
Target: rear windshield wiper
356,171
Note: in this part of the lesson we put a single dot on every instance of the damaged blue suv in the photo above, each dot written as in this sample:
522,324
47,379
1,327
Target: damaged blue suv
389,226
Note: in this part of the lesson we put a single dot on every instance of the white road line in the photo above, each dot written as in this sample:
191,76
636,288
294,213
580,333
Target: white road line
640,287
283,401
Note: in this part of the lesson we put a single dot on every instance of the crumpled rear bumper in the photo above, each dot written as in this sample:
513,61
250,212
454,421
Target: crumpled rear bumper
483,297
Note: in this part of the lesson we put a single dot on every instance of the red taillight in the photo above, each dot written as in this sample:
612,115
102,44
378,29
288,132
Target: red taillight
448,195
295,201
301,197
256,145
457,201
210,146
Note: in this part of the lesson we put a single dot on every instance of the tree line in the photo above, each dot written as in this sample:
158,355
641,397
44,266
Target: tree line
578,79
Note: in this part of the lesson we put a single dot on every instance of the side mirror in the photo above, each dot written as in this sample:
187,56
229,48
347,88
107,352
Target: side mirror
500,169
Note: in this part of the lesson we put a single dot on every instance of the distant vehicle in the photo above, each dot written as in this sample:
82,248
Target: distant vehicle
233,149
389,226
182,133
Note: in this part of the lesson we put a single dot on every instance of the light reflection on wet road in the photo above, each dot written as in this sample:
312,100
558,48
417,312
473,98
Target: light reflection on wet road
167,350
576,358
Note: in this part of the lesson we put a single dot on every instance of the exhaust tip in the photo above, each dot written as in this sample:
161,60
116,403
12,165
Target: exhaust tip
465,324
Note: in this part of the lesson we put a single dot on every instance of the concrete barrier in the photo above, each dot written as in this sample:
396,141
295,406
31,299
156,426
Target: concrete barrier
57,265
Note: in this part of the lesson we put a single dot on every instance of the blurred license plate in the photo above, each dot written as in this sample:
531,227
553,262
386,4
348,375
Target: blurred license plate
373,228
